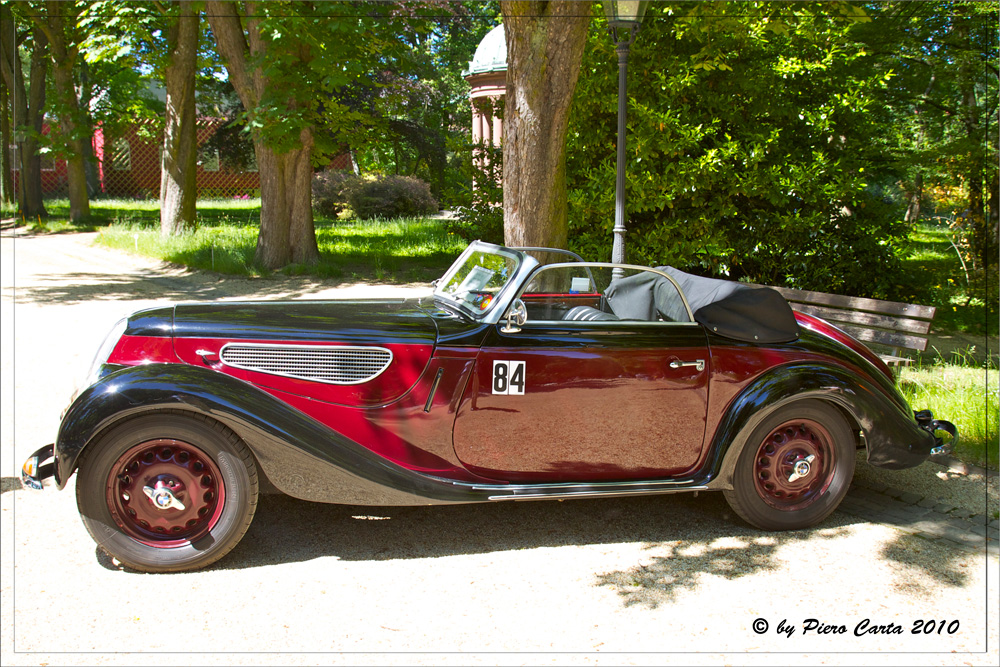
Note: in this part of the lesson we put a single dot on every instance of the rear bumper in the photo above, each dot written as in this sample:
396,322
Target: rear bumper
40,469
925,419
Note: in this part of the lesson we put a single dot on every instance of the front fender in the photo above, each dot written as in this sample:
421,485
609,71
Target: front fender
893,438
300,456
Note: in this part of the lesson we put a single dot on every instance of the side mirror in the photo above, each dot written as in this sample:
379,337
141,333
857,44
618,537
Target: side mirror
517,315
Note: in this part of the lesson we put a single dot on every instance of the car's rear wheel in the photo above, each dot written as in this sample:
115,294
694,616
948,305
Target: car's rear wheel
167,492
795,468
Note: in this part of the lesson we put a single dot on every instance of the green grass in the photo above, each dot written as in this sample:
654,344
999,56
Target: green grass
967,396
933,275
142,212
405,250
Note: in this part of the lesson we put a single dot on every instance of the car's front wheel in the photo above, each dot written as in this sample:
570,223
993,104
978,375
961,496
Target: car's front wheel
167,492
795,468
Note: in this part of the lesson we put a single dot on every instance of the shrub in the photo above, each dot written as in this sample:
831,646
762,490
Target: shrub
330,191
391,197
483,220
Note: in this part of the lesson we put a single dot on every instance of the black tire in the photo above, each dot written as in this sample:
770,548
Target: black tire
167,492
769,492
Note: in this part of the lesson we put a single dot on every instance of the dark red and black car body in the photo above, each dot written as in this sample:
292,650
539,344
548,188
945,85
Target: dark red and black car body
518,379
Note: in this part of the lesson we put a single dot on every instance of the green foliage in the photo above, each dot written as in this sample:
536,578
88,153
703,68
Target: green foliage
320,63
941,60
483,218
330,189
390,197
123,57
420,112
933,273
750,130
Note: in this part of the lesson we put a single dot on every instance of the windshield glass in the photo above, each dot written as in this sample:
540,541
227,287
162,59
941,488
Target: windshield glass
477,277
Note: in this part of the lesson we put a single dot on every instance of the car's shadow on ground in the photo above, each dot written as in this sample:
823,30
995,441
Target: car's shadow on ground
684,535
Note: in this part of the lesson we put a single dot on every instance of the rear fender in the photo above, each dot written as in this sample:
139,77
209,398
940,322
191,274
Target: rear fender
892,436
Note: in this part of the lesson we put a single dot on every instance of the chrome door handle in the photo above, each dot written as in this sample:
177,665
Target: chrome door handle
699,364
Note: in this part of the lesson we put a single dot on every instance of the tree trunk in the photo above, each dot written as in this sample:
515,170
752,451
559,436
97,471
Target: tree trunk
9,103
914,196
34,205
64,51
286,201
27,109
993,211
178,185
287,233
87,133
545,42
6,141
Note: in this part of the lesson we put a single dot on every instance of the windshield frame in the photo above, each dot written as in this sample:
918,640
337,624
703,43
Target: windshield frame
525,264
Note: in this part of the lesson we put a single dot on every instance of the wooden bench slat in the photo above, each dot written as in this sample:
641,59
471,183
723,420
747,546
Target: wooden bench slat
886,337
858,303
868,319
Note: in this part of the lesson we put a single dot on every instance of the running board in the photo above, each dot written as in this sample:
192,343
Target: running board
576,490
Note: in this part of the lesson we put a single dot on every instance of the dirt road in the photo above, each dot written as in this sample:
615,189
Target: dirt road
630,581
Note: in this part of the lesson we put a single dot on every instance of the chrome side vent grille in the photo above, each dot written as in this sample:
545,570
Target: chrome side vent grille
332,364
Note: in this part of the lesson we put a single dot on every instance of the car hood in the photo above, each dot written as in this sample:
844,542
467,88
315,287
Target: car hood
274,345
345,321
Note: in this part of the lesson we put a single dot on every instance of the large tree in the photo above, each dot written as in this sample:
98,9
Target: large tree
290,63
178,186
252,54
6,140
127,45
59,22
545,43
27,104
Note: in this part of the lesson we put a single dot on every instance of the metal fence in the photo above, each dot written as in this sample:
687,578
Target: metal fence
127,166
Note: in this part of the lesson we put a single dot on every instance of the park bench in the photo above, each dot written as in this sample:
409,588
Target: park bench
888,325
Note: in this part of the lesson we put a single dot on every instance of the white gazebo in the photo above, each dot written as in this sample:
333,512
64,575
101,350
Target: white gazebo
487,77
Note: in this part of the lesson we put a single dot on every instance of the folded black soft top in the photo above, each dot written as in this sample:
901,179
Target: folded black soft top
736,310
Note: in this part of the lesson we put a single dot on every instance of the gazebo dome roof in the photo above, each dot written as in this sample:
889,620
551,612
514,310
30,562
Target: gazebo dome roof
491,54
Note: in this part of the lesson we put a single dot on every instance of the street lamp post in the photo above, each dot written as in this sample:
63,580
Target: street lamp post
624,17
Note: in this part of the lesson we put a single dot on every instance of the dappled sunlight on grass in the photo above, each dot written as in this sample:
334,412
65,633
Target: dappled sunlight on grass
405,250
967,396
934,275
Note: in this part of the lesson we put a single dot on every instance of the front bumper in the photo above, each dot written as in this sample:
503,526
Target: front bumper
40,469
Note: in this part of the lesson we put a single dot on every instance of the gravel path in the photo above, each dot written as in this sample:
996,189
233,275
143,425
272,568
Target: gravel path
624,581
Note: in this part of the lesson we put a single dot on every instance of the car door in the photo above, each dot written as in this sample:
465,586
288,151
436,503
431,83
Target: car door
598,400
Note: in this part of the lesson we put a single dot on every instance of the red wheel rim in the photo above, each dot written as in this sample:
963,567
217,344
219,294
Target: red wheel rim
165,493
794,465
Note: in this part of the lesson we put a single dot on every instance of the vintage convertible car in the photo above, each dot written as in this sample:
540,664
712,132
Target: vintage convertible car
529,374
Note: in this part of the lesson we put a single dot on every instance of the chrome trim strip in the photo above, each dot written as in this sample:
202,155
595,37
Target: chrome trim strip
280,347
434,388
580,489
597,494
531,248
580,486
